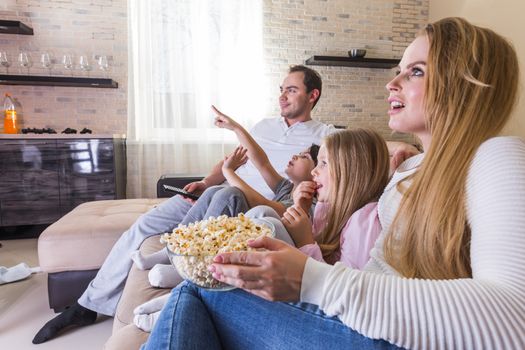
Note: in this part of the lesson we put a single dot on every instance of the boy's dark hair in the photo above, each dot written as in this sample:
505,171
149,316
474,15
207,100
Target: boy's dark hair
314,151
312,79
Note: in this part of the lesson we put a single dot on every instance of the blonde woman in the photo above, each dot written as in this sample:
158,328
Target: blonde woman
448,269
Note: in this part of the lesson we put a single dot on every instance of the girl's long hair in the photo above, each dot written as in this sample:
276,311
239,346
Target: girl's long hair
358,167
470,90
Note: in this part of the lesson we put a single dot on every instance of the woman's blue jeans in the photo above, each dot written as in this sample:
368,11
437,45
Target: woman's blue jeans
195,318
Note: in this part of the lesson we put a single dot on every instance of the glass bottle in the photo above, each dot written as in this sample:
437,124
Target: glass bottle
10,122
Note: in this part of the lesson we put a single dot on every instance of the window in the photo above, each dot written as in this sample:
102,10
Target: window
187,55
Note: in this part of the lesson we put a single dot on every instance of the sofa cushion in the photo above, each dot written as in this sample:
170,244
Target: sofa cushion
138,289
127,338
82,238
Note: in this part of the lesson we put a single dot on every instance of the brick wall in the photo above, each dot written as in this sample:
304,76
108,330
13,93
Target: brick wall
294,30
297,29
77,27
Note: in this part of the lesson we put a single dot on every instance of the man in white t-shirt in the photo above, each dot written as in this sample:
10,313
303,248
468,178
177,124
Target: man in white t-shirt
280,138
284,136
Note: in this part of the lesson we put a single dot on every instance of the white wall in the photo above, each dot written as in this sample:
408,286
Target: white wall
506,18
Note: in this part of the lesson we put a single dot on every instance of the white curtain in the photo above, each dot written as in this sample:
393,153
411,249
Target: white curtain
185,55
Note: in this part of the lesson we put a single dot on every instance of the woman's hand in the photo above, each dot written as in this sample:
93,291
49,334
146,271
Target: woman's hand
223,121
237,158
298,225
303,195
275,274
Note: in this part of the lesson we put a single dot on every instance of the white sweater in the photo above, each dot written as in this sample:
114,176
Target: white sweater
484,312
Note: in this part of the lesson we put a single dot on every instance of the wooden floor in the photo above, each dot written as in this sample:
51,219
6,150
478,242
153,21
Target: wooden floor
24,307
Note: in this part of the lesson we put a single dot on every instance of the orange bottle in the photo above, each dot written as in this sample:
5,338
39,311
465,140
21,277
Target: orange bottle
10,122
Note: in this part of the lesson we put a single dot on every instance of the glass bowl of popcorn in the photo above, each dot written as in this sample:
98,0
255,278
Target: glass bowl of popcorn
191,248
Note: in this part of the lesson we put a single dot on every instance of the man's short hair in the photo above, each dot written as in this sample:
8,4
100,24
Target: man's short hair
312,79
314,151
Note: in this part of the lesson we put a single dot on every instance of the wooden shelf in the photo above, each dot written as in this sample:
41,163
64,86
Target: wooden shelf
361,62
15,27
57,81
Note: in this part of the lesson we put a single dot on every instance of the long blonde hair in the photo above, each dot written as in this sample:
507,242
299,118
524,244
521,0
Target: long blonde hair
470,90
358,168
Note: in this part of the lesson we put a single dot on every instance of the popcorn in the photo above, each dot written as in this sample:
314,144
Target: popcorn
196,244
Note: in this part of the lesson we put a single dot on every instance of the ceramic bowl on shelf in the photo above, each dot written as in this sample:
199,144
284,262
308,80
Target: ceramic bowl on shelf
357,53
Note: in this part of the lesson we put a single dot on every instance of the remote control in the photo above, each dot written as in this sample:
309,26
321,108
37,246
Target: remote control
181,192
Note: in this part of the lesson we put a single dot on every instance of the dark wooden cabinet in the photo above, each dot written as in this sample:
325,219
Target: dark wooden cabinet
86,172
43,179
29,188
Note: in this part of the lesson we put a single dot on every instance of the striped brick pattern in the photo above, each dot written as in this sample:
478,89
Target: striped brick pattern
293,31
78,27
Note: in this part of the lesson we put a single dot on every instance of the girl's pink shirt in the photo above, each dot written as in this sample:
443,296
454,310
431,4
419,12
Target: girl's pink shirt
357,237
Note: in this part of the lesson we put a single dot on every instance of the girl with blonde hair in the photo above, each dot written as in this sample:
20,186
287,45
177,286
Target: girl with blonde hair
447,271
350,175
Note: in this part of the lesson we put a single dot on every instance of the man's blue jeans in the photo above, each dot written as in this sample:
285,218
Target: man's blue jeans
195,318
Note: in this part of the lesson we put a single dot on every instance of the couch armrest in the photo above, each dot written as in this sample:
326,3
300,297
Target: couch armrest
174,180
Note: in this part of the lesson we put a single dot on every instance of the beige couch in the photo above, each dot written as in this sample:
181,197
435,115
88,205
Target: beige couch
73,248
137,291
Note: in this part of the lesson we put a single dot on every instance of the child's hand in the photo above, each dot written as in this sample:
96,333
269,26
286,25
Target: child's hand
303,195
237,158
223,121
298,225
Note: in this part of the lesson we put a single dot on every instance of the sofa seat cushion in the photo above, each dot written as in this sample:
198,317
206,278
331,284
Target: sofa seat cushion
82,238
127,338
137,289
